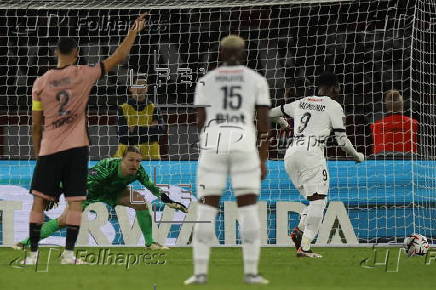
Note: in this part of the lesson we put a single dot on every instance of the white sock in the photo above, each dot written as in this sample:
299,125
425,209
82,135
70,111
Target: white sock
33,254
68,254
203,235
302,223
315,213
305,243
249,226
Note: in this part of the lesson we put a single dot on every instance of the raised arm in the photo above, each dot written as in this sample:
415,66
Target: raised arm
123,49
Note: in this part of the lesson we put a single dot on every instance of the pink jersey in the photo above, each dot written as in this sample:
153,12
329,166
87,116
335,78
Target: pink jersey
64,94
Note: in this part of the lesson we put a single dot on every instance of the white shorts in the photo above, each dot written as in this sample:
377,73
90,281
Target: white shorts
213,170
308,172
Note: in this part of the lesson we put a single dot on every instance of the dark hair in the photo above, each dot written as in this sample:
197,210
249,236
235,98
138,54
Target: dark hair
327,79
131,149
66,45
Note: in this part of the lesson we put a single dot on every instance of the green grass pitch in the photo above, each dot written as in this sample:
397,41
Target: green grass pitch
340,268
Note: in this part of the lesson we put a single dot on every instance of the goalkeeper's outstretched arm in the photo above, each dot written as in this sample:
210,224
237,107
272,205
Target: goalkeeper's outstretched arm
156,191
123,49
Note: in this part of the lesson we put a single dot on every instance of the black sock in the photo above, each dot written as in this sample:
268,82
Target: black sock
34,236
72,232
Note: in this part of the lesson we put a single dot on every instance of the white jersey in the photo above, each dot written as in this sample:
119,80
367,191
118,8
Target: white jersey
315,117
230,95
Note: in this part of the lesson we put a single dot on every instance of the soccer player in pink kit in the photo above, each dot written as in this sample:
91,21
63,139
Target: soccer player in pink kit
60,138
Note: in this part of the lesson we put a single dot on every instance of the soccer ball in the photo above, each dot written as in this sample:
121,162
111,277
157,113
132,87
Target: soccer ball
416,245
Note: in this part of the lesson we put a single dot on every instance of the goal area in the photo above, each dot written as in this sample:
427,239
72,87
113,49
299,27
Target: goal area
372,46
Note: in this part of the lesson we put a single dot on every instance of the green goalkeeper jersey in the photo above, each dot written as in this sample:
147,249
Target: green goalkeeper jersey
105,181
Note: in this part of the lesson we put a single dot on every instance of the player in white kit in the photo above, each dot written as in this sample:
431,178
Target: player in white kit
229,98
314,118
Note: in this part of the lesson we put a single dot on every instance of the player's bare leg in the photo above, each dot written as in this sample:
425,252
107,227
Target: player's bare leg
135,200
204,232
315,213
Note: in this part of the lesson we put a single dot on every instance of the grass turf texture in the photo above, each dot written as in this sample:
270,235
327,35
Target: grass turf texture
339,269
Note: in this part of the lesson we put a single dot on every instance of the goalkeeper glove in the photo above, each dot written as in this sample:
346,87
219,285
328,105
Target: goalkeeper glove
173,204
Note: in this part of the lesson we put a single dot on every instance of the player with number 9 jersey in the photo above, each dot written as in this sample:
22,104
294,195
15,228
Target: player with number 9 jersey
314,118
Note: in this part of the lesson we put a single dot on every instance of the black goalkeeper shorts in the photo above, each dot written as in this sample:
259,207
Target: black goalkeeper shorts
62,172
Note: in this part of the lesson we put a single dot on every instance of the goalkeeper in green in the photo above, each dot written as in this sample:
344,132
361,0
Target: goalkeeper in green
108,182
